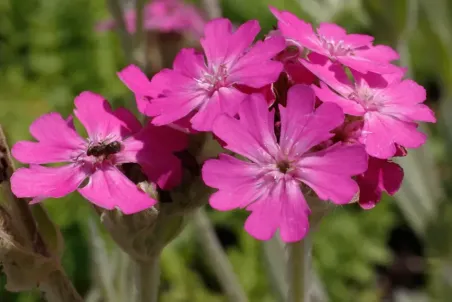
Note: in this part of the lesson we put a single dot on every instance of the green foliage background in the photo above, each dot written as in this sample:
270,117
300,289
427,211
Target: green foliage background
49,53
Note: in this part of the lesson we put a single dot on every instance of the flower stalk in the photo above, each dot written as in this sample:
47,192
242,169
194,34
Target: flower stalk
139,39
212,8
217,258
299,266
118,14
299,255
149,279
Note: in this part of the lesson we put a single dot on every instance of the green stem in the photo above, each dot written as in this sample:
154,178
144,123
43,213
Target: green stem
139,43
212,8
217,258
298,269
118,14
149,279
139,28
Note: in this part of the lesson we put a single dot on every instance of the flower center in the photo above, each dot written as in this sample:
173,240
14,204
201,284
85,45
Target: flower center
215,79
335,48
367,98
283,166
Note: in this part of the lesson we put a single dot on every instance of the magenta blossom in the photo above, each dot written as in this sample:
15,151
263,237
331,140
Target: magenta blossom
144,91
115,137
209,89
381,175
139,84
354,50
164,16
269,183
388,105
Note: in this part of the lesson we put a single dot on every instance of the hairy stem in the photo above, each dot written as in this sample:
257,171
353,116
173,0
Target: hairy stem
58,288
298,269
275,267
217,258
148,280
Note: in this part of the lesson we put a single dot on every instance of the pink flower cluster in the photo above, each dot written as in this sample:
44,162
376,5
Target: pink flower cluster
163,16
310,113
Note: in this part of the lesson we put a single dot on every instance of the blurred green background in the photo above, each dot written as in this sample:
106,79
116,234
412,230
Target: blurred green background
399,251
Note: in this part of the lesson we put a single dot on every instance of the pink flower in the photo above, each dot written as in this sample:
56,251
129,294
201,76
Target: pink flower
269,183
144,91
381,175
163,15
210,89
139,84
388,105
354,50
115,137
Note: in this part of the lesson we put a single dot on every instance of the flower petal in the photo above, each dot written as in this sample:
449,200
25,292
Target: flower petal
179,95
325,94
240,197
236,179
381,133
284,208
95,113
332,74
260,122
363,64
190,63
328,172
298,73
223,101
138,82
222,46
357,40
301,127
238,139
173,107
41,153
331,31
391,177
130,123
49,128
44,182
57,141
382,175
255,68
403,101
153,149
228,172
294,217
297,30
108,188
379,53
265,217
